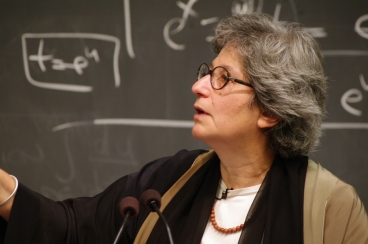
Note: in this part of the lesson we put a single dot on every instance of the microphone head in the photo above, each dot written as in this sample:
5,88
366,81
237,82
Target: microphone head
149,196
129,203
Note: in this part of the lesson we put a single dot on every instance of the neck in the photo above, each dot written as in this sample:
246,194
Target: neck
240,170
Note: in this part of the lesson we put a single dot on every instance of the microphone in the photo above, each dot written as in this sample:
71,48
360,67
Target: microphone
129,208
151,199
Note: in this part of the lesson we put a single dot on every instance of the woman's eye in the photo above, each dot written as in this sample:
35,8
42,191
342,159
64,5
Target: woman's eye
223,78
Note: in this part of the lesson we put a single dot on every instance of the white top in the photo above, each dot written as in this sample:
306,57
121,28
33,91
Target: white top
229,213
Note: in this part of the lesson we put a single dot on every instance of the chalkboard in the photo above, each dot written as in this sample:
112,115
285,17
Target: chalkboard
93,90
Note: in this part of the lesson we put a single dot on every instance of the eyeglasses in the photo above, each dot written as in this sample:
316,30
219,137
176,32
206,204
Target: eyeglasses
220,77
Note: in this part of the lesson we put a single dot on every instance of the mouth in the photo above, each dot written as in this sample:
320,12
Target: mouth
199,110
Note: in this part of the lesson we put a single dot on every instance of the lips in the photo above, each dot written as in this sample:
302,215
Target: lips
199,110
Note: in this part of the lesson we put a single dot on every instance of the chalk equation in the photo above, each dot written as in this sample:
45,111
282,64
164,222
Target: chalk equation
362,31
354,95
79,63
41,63
237,7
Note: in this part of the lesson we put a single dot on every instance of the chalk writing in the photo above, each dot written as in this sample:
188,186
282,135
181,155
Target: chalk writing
180,124
180,22
79,62
246,6
362,31
128,29
238,7
354,96
93,54
131,122
39,57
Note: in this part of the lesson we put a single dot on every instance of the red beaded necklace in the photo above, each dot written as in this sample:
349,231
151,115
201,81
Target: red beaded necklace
223,230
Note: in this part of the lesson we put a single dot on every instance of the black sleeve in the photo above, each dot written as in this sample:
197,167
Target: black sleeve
36,219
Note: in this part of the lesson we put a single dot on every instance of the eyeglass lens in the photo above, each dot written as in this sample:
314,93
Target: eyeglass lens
203,71
219,75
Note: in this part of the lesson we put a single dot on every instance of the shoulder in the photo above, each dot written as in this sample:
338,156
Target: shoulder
325,185
333,212
161,173
180,161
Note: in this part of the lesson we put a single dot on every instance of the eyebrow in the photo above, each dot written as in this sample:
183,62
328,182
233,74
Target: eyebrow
227,67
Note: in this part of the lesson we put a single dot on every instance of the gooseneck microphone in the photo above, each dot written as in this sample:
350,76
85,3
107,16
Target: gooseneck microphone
129,208
151,199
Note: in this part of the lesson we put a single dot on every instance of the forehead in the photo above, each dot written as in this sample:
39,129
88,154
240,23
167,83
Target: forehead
229,59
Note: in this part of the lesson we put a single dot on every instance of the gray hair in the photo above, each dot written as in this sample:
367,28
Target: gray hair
284,64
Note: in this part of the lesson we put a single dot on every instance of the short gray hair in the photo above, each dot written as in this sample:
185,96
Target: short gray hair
284,64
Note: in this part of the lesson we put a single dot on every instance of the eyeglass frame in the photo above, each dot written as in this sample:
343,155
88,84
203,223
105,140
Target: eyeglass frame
228,78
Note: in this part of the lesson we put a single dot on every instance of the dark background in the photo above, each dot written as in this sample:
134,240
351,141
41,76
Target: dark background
54,141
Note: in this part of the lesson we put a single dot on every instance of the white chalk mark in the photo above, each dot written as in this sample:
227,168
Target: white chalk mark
246,7
351,96
357,126
181,124
167,38
183,6
345,53
362,82
92,54
181,24
131,122
242,7
362,31
276,14
40,58
209,21
209,38
183,20
317,32
145,122
187,10
128,29
70,125
70,87
294,10
260,6
58,64
78,64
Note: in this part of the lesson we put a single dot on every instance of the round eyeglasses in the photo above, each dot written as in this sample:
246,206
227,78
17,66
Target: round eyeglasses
220,77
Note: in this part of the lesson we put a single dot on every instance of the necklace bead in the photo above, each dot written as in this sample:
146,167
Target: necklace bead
220,229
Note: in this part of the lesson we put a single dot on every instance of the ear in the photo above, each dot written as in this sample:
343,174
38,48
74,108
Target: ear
266,121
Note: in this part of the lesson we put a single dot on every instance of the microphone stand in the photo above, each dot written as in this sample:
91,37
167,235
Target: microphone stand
157,210
127,215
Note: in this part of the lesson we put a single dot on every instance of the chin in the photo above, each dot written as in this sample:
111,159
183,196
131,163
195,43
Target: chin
197,133
200,134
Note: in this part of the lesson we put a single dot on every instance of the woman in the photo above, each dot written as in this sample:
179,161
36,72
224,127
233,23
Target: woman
259,106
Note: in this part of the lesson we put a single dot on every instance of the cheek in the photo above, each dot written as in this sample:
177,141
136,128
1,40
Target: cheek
230,108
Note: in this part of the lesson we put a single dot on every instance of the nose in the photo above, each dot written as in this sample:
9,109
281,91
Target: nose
202,86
